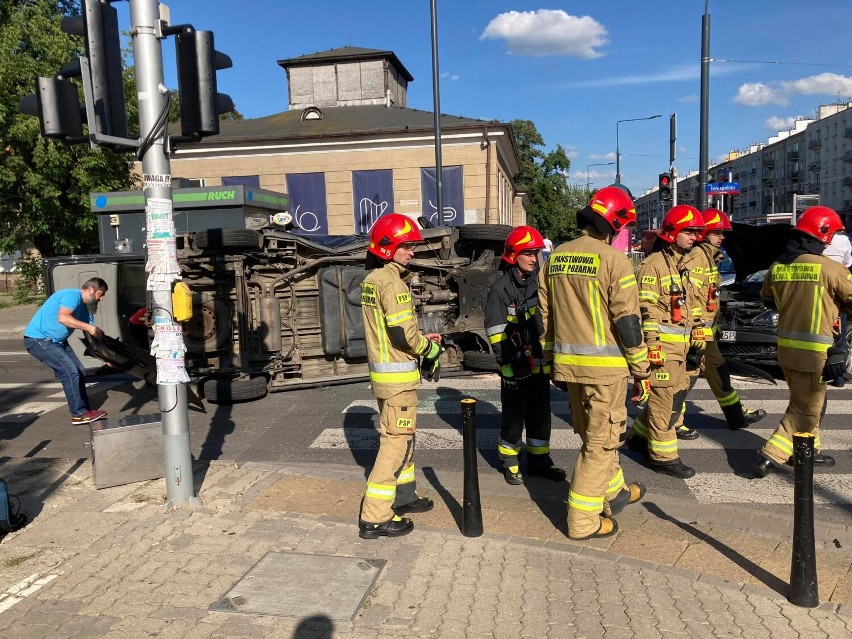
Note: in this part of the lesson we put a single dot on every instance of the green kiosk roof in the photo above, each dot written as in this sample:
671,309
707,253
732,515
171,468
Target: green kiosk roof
206,197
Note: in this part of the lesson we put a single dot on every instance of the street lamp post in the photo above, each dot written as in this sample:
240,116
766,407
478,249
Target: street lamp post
617,152
596,164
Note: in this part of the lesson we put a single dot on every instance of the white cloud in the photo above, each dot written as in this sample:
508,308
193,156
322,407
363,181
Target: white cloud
669,75
775,123
445,75
571,151
605,156
760,94
601,177
679,73
547,32
687,99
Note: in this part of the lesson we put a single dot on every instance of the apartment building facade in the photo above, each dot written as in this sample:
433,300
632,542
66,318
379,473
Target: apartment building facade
814,157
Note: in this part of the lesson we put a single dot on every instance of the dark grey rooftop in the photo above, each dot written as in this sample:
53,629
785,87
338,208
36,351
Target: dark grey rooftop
342,122
345,54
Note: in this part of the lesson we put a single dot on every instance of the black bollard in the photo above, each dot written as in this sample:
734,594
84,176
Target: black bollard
803,572
472,510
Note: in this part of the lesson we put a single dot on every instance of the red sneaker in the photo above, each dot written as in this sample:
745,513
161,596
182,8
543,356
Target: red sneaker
88,416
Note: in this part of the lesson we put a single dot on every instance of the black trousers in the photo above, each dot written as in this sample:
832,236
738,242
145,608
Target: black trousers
525,405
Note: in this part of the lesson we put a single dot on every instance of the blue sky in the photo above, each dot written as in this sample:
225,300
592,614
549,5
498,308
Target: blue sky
573,68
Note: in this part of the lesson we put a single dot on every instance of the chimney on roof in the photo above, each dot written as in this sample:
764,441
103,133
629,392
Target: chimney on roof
347,76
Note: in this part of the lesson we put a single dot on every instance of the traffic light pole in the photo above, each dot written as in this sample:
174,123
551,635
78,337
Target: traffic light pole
160,249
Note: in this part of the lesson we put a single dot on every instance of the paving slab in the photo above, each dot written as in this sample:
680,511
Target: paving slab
141,572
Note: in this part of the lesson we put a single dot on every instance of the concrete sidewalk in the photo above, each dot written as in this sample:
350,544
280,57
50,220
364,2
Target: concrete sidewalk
14,320
109,563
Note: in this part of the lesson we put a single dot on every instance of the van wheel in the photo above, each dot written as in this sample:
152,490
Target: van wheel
232,391
476,361
227,238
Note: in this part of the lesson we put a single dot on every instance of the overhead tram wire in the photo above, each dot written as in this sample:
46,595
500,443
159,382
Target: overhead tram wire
805,64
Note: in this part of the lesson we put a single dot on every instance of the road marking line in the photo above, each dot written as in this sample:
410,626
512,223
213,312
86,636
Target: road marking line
560,439
93,387
485,407
28,411
490,380
23,589
39,385
775,488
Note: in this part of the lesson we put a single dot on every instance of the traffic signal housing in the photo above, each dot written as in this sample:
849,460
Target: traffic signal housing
56,103
200,102
98,25
665,186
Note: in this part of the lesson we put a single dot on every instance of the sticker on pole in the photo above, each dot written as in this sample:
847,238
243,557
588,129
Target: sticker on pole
156,181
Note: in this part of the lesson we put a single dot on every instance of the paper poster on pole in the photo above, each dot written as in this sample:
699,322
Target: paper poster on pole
162,265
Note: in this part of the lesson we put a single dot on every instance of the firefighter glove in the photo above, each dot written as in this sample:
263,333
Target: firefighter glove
641,391
697,340
656,355
835,365
430,365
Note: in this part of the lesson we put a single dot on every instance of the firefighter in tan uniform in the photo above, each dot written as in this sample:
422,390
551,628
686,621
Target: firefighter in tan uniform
702,263
666,295
394,343
809,291
593,332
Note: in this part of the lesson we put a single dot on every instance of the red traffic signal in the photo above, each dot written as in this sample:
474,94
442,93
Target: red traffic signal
665,186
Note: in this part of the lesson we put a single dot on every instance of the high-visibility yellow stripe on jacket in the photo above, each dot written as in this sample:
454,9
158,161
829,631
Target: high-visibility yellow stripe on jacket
657,274
809,293
387,306
512,325
586,287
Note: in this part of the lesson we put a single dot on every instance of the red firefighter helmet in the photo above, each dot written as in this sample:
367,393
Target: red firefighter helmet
820,222
714,220
615,205
680,218
389,232
523,238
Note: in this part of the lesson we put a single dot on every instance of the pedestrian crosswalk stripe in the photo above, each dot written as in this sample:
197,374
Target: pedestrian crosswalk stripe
28,412
486,407
491,380
92,388
560,439
775,488
33,385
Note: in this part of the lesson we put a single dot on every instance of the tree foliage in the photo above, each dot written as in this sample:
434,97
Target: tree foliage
44,185
553,203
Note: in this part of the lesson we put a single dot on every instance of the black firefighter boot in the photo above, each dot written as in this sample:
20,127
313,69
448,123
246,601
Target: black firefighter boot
542,466
739,417
630,494
395,527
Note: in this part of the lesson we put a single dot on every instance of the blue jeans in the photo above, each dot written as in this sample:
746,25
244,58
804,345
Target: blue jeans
68,368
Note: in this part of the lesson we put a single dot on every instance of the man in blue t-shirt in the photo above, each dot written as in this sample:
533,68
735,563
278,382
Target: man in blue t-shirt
46,339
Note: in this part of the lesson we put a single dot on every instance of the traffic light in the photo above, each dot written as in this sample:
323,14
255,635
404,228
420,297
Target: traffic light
665,185
56,103
98,25
200,102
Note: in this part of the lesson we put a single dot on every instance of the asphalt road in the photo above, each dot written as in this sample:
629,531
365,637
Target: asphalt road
337,425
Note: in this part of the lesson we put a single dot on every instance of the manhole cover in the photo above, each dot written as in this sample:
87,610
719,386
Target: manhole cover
297,585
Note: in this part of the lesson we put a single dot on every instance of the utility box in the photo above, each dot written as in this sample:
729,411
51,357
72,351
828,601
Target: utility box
121,215
127,450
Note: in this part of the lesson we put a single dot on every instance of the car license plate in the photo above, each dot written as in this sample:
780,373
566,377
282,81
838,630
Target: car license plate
728,336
